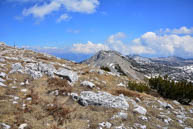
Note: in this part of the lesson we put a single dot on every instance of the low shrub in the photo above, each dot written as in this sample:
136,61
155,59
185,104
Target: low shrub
181,91
140,87
105,69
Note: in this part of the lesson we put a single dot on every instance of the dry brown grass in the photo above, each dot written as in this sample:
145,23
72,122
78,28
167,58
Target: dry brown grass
60,84
125,92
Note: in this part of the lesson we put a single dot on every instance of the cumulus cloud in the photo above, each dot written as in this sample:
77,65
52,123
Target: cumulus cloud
81,6
64,17
88,48
181,30
167,44
151,43
43,10
115,42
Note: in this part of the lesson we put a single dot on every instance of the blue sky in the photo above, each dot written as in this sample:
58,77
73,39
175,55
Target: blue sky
145,27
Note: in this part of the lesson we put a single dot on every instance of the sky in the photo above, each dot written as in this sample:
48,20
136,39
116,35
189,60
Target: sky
152,28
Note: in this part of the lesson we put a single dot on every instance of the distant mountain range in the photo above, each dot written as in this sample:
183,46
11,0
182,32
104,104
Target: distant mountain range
136,66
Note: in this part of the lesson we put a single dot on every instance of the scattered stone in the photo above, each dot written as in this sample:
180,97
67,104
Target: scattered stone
143,118
137,99
137,125
28,98
22,126
4,126
22,84
121,84
3,75
88,84
120,127
23,90
165,105
140,110
75,96
165,118
176,102
15,102
188,128
102,99
3,85
105,125
68,74
121,115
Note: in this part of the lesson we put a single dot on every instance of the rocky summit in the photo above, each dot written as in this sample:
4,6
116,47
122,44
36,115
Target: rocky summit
40,91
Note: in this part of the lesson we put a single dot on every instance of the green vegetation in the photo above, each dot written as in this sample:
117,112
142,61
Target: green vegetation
181,91
105,69
140,87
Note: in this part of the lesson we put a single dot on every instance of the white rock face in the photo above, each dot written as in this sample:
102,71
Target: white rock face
88,84
140,110
70,75
102,99
105,125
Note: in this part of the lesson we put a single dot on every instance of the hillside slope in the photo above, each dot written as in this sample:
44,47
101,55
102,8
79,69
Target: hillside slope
39,91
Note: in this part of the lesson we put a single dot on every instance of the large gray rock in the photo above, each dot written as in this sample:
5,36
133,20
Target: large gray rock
17,67
68,74
140,110
102,99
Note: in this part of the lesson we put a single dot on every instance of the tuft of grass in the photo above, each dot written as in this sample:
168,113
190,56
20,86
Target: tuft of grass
125,92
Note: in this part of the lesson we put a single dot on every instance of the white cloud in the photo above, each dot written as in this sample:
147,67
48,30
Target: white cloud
81,6
89,48
115,43
139,49
149,43
181,30
166,45
41,11
64,17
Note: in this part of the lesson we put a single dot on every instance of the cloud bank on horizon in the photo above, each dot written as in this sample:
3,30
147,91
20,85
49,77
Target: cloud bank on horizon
178,42
160,42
